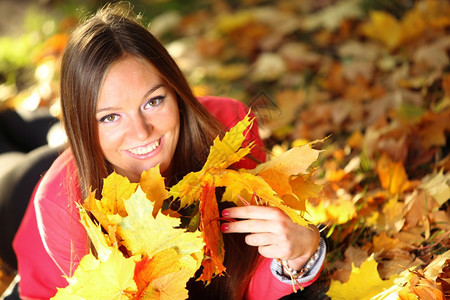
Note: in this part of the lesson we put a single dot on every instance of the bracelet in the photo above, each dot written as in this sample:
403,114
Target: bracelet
311,262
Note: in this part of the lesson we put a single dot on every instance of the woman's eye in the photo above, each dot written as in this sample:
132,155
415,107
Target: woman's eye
154,101
108,118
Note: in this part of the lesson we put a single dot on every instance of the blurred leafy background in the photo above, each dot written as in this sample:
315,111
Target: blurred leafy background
371,75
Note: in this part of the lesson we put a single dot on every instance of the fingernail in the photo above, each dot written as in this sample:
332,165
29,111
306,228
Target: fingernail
225,213
224,227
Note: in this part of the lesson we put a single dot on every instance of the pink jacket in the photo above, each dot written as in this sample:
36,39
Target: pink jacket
51,241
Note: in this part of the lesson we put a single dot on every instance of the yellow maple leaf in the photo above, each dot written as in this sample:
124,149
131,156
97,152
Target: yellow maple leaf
110,276
188,190
278,171
172,285
99,240
364,283
338,211
228,151
152,183
302,188
222,154
116,189
94,279
236,181
170,258
140,227
383,27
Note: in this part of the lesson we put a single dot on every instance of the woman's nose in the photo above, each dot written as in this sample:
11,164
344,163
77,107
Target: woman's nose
141,127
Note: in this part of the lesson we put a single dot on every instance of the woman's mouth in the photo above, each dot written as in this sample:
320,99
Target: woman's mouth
140,151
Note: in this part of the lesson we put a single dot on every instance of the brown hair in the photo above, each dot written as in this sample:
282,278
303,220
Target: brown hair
93,48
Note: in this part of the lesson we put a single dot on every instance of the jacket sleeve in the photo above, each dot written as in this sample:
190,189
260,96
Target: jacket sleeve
51,240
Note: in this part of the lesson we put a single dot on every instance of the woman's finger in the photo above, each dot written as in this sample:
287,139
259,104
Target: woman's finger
254,212
249,226
260,239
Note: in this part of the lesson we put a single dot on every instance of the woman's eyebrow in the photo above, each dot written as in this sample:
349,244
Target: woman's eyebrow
150,91
106,109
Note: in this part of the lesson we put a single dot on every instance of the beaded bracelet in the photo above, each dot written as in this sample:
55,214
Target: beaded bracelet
311,262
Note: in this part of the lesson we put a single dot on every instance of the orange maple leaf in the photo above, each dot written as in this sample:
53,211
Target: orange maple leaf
149,269
212,236
392,175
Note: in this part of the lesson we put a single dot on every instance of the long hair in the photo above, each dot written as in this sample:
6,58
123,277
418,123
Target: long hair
93,48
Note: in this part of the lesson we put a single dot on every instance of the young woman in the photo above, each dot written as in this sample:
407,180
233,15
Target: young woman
126,108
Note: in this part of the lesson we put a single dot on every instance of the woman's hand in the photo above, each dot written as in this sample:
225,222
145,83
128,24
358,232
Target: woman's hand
274,233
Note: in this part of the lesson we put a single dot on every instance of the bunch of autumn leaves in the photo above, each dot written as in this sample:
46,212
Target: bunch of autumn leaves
160,257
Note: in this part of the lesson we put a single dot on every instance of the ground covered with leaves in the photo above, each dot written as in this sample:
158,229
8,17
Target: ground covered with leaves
372,77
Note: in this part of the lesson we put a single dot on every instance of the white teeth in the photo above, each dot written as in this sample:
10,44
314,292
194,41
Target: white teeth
145,150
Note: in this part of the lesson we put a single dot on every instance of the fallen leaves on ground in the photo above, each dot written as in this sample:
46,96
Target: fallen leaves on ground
372,76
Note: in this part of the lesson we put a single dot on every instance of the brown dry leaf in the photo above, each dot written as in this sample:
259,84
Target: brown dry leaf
434,55
392,216
433,269
288,103
410,236
437,13
384,243
356,140
331,17
298,56
444,277
417,207
425,288
394,261
268,67
433,128
354,256
244,31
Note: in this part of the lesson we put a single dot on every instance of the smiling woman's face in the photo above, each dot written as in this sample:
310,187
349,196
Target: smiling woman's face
138,118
